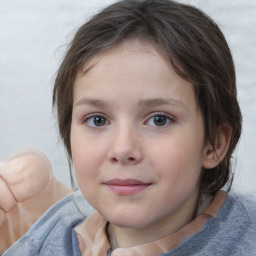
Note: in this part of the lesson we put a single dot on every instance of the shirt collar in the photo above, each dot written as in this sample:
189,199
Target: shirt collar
93,240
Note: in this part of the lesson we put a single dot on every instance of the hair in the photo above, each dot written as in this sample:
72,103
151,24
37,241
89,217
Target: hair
194,45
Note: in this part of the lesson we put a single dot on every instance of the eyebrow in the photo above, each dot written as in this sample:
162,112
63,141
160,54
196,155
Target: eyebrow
92,102
142,102
161,101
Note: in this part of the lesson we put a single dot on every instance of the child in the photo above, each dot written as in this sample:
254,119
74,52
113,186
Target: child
148,112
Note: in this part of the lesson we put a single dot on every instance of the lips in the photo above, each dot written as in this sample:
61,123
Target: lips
126,182
127,186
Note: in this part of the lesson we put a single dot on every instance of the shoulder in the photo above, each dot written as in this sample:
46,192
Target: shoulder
51,232
68,211
243,205
239,212
231,232
236,223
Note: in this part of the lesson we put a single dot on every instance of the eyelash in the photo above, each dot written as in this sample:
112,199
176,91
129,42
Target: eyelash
91,116
161,114
168,117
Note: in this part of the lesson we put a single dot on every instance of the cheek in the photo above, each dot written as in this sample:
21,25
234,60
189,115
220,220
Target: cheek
86,156
178,161
179,175
86,160
86,170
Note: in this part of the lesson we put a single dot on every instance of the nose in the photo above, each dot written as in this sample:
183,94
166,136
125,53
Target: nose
125,146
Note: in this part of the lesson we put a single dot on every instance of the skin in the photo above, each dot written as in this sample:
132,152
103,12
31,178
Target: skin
120,99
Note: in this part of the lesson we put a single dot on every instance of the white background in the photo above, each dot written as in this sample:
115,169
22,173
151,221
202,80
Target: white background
33,38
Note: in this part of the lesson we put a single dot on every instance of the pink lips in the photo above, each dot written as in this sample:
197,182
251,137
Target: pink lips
126,187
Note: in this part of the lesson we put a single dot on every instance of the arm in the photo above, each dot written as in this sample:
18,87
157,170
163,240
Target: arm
28,188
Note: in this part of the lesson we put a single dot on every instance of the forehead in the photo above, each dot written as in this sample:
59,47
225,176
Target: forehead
131,68
124,51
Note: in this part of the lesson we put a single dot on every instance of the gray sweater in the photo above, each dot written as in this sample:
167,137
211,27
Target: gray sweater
231,233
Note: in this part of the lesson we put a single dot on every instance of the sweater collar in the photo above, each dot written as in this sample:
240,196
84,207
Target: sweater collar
93,240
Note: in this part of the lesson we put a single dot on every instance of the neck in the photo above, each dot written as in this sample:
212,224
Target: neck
120,237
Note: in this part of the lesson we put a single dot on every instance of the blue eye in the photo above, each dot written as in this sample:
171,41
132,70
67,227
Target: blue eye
96,121
159,120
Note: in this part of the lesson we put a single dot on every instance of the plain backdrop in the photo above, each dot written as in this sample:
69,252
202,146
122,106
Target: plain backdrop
33,38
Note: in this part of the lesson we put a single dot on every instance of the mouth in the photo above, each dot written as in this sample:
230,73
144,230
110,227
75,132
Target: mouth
127,186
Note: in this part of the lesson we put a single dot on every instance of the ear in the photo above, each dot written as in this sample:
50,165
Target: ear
213,156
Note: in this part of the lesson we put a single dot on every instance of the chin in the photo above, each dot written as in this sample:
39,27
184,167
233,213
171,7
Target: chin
128,221
126,217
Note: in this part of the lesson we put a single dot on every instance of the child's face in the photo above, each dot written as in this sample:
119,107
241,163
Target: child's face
137,138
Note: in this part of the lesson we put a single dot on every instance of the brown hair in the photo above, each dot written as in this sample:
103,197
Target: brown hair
195,47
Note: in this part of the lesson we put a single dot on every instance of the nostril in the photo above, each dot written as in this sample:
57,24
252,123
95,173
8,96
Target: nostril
114,160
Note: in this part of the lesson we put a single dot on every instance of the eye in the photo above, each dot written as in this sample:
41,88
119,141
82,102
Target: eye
159,120
96,121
